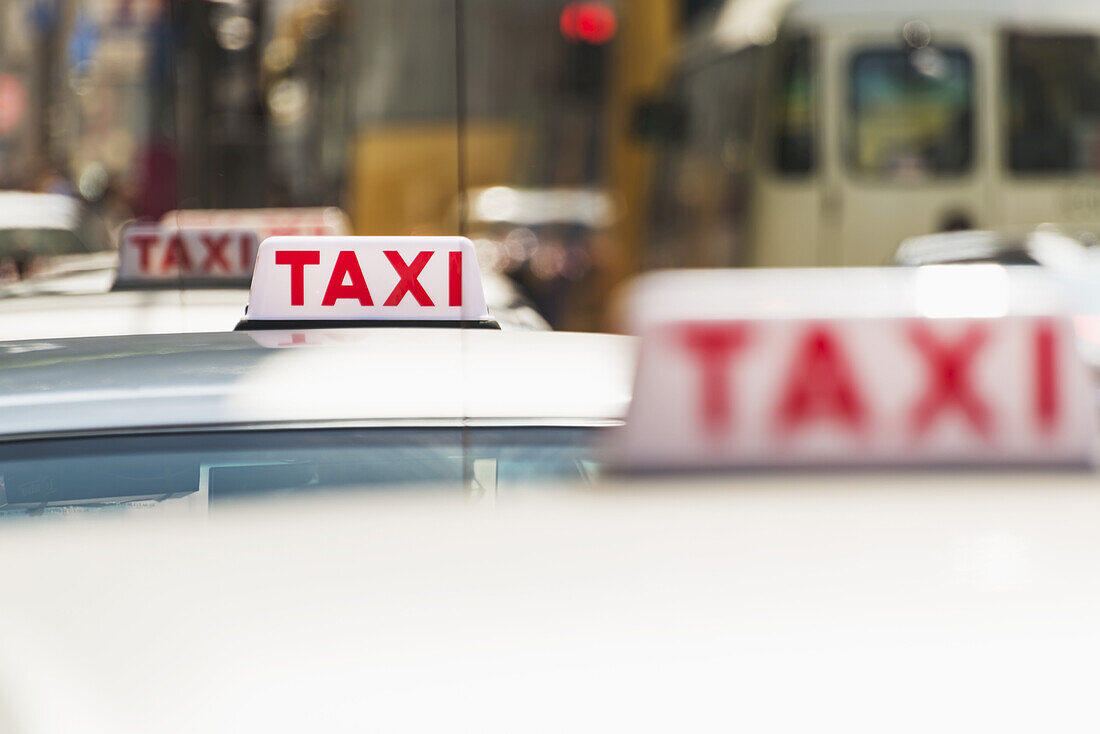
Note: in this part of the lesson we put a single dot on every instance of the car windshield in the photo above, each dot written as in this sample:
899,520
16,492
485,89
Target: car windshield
199,470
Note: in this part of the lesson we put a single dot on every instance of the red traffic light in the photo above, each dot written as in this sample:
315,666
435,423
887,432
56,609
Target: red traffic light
588,22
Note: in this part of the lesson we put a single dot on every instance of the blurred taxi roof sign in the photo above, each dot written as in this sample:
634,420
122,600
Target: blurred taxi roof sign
289,221
366,281
941,366
151,255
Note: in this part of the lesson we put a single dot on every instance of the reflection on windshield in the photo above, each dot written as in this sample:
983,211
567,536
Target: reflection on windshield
63,476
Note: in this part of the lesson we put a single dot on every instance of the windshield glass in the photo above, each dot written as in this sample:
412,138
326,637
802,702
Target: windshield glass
121,473
1053,103
912,113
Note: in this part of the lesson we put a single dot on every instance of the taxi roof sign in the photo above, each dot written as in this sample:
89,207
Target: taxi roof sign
357,281
953,365
151,254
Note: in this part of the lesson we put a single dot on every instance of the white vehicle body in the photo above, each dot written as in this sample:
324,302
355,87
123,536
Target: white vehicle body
777,601
768,603
779,78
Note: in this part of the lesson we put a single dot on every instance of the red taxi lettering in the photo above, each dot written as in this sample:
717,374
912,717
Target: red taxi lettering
713,347
175,255
455,272
144,242
408,274
297,260
820,385
347,265
948,369
215,252
1046,377
348,268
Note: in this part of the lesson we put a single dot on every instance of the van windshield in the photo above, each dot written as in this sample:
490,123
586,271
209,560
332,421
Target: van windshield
1053,103
912,112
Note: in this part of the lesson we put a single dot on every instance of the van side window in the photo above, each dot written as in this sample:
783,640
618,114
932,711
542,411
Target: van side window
794,107
1052,95
912,113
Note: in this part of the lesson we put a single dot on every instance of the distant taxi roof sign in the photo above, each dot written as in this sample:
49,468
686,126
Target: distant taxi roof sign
151,254
947,365
357,281
269,222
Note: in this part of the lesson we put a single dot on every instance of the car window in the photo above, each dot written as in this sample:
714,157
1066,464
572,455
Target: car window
912,113
794,107
1053,102
127,472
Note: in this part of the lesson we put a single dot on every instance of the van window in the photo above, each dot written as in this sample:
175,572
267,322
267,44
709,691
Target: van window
1053,103
912,112
794,107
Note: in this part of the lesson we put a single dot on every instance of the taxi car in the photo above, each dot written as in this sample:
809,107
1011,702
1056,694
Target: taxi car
160,280
834,569
189,273
360,362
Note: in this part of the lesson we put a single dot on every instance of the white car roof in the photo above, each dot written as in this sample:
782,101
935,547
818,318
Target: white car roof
766,603
182,381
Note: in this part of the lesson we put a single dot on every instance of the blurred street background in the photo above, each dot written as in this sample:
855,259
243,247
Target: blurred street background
577,142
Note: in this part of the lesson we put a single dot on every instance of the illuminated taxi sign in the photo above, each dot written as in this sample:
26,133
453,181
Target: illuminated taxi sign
940,366
152,254
360,280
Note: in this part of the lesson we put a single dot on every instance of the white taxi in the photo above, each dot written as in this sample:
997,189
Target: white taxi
187,274
361,362
835,569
